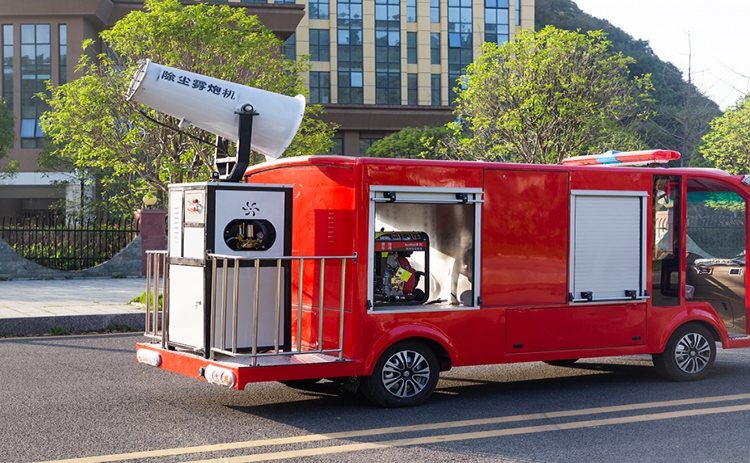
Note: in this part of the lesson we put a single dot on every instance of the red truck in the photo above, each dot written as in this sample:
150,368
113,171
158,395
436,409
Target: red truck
380,273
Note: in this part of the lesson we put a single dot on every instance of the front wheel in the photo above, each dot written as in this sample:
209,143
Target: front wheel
689,355
404,376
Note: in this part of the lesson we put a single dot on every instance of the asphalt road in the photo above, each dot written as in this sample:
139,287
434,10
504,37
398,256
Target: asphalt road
85,396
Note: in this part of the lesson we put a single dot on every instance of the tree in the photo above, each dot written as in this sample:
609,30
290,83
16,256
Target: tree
410,142
681,111
93,128
547,95
7,136
727,145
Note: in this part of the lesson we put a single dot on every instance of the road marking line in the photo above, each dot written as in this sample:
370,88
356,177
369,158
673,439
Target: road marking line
474,435
397,430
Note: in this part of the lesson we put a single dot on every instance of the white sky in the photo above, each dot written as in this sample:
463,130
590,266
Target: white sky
717,31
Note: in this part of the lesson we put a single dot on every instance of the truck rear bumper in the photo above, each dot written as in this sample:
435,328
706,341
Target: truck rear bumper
237,372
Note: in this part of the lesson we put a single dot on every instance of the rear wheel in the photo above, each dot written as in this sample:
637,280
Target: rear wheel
689,355
404,376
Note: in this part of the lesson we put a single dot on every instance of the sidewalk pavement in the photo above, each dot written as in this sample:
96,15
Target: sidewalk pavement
35,307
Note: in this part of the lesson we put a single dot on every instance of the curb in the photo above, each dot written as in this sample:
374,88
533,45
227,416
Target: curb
30,326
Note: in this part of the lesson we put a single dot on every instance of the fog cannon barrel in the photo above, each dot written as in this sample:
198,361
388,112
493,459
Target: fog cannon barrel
212,104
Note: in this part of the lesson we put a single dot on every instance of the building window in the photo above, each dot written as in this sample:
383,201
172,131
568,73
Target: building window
283,2
337,147
365,144
36,68
460,43
320,45
496,21
388,52
435,89
318,9
349,24
411,11
411,47
435,48
434,11
62,70
8,65
320,87
290,47
518,12
411,89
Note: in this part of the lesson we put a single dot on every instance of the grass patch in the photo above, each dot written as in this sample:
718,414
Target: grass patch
57,331
142,300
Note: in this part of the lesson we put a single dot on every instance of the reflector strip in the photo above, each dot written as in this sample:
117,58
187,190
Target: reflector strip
220,376
148,357
623,158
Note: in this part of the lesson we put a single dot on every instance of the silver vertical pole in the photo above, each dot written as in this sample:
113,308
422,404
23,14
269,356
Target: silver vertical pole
341,309
255,312
225,275
235,305
320,305
212,334
278,306
299,304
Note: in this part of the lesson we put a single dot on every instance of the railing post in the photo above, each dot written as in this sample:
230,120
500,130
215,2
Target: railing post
164,300
255,312
322,300
299,304
212,334
224,286
235,304
148,293
278,307
341,309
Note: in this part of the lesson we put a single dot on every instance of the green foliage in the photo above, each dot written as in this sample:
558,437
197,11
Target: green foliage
93,128
727,145
7,136
547,95
681,111
414,143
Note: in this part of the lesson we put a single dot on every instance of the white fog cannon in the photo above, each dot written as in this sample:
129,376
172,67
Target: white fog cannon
256,119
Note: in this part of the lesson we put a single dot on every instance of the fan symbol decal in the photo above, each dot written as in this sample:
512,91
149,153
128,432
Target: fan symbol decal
250,208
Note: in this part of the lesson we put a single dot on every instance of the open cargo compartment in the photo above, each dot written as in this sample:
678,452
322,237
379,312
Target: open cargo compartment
425,248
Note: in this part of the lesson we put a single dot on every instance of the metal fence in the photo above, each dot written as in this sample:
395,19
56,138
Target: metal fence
65,243
719,235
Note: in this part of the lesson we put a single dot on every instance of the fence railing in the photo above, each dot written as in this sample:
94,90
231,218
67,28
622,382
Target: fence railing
719,235
65,243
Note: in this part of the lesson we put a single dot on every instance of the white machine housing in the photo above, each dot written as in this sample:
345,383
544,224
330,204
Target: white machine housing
201,221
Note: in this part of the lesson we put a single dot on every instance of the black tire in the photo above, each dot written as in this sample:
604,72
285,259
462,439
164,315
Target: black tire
561,363
689,356
404,376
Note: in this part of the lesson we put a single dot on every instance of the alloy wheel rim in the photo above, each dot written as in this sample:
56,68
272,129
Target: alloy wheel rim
692,353
406,373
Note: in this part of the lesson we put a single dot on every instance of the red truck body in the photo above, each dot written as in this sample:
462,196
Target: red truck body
477,263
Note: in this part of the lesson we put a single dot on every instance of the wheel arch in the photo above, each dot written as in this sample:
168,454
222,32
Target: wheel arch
435,340
706,318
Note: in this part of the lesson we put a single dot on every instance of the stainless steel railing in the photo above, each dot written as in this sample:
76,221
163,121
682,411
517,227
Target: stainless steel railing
156,267
219,314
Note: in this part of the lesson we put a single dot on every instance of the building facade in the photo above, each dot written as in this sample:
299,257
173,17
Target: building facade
377,66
